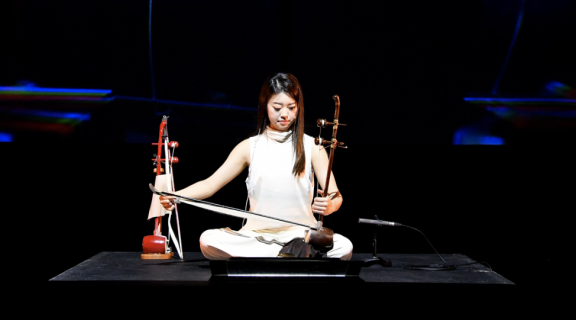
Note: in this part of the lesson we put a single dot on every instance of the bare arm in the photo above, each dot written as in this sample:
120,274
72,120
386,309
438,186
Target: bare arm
324,205
238,159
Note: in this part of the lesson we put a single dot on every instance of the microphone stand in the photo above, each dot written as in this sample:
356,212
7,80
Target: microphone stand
375,258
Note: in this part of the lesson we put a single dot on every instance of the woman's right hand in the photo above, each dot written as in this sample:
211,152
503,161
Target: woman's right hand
167,202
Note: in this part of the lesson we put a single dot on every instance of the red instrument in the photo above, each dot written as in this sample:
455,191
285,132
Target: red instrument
156,246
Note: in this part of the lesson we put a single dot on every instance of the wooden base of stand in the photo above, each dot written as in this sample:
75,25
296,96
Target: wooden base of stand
157,256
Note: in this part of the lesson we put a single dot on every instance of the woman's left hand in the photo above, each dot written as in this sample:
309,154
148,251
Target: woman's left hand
323,205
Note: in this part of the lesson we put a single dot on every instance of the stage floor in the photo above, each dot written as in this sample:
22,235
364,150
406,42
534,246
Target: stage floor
194,270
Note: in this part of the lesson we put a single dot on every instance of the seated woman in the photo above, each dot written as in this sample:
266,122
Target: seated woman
281,161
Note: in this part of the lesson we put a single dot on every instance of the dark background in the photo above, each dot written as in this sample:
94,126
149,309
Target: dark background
401,69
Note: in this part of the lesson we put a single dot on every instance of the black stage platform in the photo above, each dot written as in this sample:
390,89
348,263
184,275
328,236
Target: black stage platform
123,279
128,268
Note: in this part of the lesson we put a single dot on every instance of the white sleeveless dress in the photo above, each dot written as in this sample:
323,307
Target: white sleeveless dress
273,190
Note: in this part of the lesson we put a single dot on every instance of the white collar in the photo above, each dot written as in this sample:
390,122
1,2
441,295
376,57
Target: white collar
279,136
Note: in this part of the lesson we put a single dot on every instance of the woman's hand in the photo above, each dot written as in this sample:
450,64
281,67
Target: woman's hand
167,202
323,205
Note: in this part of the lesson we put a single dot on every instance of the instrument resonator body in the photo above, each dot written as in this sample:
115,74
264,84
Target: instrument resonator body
321,239
154,244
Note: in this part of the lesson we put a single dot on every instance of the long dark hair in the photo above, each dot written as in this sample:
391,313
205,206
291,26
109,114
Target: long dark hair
287,83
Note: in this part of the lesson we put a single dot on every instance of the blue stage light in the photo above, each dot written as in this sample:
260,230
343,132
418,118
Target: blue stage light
490,140
6,137
33,89
52,114
486,100
468,136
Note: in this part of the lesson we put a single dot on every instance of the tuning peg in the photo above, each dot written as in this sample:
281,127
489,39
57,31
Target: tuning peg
171,144
171,160
320,141
322,123
341,145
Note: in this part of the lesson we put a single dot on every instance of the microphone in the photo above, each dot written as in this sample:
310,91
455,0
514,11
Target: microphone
432,267
380,222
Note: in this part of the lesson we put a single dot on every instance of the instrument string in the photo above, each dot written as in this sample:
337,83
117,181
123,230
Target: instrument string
170,170
177,220
167,173
317,180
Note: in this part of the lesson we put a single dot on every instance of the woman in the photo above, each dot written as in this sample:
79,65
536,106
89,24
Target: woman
281,162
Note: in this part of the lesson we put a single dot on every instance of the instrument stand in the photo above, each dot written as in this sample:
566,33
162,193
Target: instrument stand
375,258
157,256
